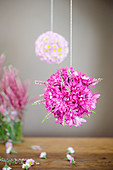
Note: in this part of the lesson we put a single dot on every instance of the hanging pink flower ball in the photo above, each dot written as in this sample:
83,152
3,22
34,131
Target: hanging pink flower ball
51,47
68,96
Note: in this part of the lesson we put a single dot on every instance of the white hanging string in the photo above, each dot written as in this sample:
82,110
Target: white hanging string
71,33
51,15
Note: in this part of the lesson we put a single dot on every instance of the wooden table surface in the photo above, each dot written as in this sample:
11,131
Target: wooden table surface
91,153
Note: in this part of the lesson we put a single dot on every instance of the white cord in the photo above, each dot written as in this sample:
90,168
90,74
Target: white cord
51,15
71,33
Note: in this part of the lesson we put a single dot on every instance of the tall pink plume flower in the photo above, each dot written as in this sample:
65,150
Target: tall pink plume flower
68,96
51,47
13,92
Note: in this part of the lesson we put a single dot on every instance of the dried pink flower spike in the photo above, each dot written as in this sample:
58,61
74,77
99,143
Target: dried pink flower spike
51,47
13,92
14,88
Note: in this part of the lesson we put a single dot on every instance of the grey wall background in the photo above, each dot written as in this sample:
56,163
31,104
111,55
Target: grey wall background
22,21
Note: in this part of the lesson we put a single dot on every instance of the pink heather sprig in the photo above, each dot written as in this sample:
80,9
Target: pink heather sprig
14,88
68,97
51,47
26,163
13,92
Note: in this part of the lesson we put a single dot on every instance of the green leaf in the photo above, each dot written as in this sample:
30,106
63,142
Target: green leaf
6,166
93,111
9,63
12,151
66,159
45,117
26,167
30,147
33,104
68,152
73,162
71,109
68,71
37,163
44,157
53,107
64,121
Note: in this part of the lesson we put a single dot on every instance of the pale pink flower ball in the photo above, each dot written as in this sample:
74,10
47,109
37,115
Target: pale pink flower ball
51,47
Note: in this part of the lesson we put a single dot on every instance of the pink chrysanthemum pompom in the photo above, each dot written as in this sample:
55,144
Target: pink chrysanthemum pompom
51,47
68,96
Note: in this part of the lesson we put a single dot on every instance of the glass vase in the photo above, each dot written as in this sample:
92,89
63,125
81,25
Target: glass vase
10,127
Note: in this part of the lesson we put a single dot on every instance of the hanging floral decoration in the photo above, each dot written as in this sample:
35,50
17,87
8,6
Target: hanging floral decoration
67,96
51,47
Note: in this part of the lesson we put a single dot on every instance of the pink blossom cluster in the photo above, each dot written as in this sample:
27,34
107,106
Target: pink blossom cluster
51,47
13,93
68,96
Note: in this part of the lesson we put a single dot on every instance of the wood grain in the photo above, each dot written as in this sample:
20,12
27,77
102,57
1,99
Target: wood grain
91,153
